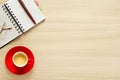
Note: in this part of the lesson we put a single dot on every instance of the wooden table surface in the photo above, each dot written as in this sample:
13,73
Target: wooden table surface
80,40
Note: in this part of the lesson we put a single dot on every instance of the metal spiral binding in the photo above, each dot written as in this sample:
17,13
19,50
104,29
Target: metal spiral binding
13,18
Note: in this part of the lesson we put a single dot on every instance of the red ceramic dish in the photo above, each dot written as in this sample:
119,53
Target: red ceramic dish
12,67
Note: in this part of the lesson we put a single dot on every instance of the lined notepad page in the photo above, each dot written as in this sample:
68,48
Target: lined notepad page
34,10
7,35
20,13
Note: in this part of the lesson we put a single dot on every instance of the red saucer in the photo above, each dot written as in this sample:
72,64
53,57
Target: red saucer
12,67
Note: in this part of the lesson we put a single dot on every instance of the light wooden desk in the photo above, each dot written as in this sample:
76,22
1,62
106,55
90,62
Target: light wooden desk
80,40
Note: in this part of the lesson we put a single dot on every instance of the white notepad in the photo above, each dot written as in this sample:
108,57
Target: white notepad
14,20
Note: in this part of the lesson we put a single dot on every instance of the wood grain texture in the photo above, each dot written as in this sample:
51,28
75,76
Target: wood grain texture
80,40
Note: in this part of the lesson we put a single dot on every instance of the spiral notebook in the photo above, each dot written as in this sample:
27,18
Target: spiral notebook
15,20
